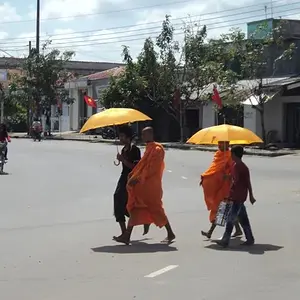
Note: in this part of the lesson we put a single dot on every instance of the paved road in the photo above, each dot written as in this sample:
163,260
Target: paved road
56,227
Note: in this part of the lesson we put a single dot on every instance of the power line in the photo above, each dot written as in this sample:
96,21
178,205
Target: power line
143,38
131,9
131,34
104,13
134,29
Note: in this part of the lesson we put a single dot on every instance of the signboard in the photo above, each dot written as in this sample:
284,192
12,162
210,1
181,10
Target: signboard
3,75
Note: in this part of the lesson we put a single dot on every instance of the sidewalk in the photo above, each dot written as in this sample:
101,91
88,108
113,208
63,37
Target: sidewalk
71,136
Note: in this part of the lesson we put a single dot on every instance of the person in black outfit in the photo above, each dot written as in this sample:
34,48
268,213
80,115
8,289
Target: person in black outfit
129,157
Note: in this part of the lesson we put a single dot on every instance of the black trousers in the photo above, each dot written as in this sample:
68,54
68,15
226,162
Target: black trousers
6,151
120,200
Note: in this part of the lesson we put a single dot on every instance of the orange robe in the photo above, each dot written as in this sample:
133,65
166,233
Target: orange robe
215,186
145,198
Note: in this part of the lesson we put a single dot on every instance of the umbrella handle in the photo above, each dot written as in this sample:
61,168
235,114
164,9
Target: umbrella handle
116,162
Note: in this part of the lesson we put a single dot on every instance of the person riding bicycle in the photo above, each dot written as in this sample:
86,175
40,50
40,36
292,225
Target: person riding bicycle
4,138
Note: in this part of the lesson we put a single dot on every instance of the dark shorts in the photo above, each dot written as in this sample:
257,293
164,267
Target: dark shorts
120,200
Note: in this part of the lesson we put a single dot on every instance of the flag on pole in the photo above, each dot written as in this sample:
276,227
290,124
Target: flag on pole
90,101
216,97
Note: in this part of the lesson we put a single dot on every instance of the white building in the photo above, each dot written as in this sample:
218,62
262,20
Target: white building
76,114
281,112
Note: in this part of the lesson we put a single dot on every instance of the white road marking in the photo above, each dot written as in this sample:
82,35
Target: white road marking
169,171
161,271
183,177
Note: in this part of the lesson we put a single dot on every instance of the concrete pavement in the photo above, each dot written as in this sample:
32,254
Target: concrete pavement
56,227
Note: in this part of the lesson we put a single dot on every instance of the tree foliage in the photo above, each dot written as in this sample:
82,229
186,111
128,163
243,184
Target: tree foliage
41,82
257,57
191,68
165,68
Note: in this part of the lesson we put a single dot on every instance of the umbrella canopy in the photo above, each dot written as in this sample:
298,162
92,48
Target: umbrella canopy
113,116
233,134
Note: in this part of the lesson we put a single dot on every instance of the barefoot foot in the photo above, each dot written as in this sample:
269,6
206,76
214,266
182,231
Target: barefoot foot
146,229
169,239
116,237
123,239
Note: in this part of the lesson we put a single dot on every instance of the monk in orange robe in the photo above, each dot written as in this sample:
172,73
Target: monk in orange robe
216,183
145,190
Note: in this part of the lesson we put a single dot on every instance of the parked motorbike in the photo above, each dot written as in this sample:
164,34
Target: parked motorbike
2,156
108,133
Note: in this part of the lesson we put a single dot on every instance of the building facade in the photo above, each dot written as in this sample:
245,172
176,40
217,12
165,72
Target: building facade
91,85
281,83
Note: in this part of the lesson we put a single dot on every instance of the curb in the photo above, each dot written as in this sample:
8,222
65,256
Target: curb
166,146
247,152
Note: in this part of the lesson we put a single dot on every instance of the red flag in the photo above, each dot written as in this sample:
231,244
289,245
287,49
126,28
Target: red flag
216,98
90,101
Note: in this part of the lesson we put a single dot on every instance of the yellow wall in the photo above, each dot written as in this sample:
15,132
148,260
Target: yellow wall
10,74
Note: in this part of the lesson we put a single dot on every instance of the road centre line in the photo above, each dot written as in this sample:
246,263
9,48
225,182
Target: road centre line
161,271
183,177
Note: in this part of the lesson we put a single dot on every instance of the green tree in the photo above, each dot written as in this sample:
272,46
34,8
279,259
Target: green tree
254,56
42,79
152,79
165,70
205,64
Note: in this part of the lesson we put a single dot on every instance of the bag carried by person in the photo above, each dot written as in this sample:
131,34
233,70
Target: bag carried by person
223,212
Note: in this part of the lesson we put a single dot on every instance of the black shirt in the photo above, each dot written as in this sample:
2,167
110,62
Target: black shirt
132,155
3,136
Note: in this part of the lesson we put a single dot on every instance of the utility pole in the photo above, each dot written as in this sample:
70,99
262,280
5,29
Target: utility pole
38,19
37,47
181,120
29,95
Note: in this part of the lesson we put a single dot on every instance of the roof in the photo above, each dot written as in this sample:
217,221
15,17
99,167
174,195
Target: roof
246,87
9,62
105,74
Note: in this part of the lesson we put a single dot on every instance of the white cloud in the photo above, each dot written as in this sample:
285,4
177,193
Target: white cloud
8,13
108,43
3,35
66,8
218,15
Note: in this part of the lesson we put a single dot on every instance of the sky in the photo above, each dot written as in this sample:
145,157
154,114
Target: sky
97,29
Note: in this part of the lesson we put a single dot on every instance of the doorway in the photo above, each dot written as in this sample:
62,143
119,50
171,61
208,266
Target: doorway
292,124
191,121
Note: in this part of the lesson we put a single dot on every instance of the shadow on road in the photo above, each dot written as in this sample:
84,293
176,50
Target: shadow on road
135,247
4,173
257,249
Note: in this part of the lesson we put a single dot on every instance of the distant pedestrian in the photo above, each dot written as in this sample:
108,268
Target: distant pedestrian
4,138
241,185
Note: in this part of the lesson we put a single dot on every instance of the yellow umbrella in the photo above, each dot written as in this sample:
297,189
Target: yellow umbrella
234,134
113,117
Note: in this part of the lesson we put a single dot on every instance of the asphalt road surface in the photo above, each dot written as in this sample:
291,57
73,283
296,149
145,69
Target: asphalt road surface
56,229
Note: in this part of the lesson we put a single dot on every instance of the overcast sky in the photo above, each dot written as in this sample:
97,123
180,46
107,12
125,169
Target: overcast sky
97,29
